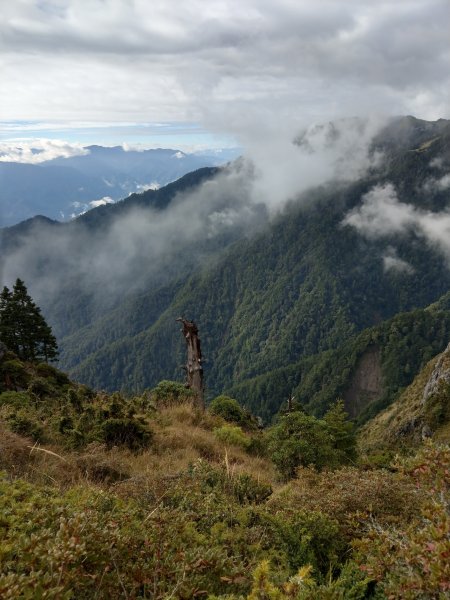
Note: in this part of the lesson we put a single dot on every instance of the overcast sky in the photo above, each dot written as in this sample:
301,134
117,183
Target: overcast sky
232,66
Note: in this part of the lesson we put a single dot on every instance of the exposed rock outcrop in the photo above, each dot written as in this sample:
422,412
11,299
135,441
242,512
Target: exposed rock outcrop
419,413
366,385
441,373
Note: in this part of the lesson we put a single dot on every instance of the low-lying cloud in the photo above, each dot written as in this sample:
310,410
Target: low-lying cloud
287,163
139,244
392,262
382,215
35,151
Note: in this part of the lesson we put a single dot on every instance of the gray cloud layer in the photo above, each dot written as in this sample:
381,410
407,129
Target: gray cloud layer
210,60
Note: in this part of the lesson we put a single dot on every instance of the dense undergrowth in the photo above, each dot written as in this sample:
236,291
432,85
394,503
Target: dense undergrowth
103,496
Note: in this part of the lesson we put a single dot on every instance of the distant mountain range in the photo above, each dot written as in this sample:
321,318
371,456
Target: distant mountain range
335,286
66,187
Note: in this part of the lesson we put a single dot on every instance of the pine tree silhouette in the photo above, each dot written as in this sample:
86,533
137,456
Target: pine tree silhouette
23,329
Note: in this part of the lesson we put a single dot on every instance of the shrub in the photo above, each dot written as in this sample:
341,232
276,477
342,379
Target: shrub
125,432
412,561
300,440
248,490
22,423
229,409
13,374
232,435
40,387
16,399
171,392
51,372
352,496
86,544
258,445
240,486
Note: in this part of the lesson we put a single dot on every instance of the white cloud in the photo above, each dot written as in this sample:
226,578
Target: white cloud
440,184
381,214
443,183
154,185
392,262
138,243
101,202
36,151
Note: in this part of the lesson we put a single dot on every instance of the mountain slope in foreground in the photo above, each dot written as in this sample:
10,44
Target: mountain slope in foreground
145,497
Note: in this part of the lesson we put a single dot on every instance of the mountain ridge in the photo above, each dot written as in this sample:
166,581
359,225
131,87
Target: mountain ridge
305,284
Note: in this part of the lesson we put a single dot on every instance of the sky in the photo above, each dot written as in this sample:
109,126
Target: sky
213,73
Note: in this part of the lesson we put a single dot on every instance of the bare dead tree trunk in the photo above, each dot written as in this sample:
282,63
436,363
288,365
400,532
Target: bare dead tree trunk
290,403
194,368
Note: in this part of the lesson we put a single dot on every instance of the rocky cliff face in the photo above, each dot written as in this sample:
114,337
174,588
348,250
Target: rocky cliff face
440,375
422,411
366,385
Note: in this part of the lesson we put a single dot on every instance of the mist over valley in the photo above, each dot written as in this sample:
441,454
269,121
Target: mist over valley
225,300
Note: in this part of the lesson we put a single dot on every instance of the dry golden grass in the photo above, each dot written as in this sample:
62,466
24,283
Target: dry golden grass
181,436
14,452
21,457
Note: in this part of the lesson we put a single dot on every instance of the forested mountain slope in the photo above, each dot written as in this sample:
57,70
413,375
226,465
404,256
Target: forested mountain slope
307,282
368,371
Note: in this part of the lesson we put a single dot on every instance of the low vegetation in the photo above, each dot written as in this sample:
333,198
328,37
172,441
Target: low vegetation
107,496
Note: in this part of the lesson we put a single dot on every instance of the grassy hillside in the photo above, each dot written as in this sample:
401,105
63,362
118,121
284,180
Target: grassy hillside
109,496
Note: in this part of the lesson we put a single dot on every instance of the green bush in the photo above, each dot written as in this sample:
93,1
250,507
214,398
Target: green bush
229,409
16,399
168,392
51,372
300,440
85,544
14,374
413,561
248,490
232,435
40,387
125,432
258,445
24,424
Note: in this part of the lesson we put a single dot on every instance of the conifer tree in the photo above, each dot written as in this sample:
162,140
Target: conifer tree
342,430
6,319
23,329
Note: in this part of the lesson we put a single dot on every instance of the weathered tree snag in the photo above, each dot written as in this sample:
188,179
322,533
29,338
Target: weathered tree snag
194,368
290,403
